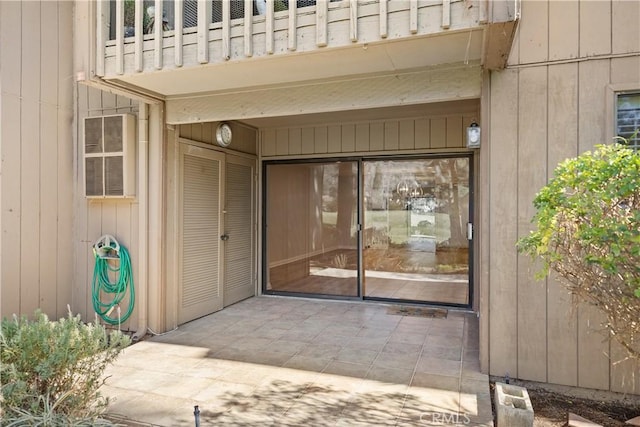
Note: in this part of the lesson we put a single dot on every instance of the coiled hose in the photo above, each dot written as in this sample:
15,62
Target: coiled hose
102,286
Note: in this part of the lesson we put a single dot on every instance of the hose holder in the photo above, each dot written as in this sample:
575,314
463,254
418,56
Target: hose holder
112,282
106,247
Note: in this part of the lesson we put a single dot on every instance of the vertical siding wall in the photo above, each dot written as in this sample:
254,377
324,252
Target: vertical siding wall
550,104
96,217
36,143
394,136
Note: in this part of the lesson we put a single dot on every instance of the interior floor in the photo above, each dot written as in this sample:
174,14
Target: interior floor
335,273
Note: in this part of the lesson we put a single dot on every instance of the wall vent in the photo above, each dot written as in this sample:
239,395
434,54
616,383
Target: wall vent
109,156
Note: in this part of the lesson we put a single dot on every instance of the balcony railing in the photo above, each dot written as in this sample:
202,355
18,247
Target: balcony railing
197,32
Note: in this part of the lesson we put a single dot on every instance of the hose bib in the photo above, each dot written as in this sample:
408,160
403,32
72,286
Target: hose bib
112,260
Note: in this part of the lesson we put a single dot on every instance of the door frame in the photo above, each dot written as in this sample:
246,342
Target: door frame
264,270
471,159
234,158
360,206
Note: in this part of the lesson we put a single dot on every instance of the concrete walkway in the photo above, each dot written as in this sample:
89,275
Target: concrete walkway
270,361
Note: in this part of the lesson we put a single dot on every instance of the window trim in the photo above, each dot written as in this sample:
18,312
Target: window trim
611,99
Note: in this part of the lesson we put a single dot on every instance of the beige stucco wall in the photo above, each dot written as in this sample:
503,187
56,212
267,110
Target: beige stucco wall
36,144
552,102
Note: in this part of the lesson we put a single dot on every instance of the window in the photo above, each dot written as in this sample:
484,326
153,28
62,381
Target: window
627,117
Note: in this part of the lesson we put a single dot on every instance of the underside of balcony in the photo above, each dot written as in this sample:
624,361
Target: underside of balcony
337,42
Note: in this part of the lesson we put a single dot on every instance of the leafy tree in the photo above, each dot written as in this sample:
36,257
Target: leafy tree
588,231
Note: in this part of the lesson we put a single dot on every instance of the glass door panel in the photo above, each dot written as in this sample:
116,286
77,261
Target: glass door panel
311,228
415,230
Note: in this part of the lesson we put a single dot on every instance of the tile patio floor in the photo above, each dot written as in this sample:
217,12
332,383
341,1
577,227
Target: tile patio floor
270,361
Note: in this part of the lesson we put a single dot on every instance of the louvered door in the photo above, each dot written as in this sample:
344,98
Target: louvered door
239,265
200,262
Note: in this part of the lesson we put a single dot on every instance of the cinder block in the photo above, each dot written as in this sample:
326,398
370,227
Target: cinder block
513,406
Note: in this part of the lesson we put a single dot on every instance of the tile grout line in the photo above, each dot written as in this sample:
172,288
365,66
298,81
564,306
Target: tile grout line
415,369
355,321
352,394
309,384
462,354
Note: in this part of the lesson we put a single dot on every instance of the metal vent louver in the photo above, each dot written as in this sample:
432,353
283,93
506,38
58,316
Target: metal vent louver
109,156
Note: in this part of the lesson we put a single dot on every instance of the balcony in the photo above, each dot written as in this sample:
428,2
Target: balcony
213,46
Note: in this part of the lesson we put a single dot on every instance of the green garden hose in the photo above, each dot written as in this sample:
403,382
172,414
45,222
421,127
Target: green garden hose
112,260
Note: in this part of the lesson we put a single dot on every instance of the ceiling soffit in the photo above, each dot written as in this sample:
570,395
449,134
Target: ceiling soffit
440,84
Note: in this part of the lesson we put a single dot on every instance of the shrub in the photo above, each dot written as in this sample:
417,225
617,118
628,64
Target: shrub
51,371
588,231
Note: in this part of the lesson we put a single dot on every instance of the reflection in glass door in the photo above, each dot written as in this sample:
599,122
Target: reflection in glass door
415,230
311,228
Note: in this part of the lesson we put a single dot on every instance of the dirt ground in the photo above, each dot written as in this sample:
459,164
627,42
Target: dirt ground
551,405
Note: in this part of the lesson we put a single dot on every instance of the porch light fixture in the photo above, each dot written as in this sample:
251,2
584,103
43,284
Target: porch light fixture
473,135
223,134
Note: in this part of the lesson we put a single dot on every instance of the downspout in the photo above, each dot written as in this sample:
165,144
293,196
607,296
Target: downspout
143,219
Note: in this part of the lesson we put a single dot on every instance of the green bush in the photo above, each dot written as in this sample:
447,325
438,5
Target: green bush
588,231
51,371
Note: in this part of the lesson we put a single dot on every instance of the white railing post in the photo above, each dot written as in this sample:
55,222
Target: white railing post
268,28
158,30
353,20
446,14
248,28
384,32
178,23
413,16
321,23
138,28
483,12
293,26
102,27
226,30
119,37
126,58
204,17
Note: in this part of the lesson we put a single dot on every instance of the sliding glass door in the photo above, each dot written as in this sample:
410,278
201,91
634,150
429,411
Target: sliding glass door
312,228
415,239
369,228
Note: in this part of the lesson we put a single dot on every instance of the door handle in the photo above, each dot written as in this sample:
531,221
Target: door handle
224,237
